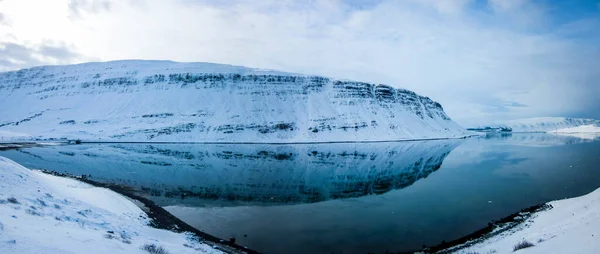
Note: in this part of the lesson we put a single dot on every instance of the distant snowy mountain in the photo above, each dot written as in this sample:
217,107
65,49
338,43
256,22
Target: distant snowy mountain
588,132
580,129
204,102
540,139
491,129
540,124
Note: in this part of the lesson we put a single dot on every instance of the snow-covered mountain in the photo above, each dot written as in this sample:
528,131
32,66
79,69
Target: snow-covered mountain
202,102
586,132
540,139
540,124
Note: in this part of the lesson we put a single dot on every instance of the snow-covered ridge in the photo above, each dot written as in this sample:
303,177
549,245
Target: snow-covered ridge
204,102
541,124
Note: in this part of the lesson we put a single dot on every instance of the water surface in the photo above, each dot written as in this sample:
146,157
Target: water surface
340,198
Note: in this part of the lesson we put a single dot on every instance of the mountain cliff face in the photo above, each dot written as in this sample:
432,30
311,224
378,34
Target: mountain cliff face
203,102
541,124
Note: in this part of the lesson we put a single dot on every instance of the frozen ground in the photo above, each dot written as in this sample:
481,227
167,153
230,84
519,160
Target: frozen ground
41,213
571,226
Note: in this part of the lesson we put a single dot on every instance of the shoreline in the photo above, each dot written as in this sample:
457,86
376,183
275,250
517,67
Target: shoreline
161,219
16,143
571,225
494,228
272,143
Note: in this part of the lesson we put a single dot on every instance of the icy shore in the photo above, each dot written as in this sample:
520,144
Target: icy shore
571,226
41,213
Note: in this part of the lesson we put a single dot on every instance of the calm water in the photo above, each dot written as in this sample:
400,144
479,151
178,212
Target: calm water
340,198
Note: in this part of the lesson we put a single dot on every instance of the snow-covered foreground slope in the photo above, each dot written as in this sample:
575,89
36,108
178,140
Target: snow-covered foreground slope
41,213
545,124
571,226
203,102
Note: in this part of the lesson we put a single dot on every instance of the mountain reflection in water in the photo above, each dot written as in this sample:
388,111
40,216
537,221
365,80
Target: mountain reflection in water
173,174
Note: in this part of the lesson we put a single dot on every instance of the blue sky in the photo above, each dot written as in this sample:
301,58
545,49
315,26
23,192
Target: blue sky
483,60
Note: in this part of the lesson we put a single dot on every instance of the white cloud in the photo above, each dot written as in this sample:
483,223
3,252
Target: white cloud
79,7
479,65
15,55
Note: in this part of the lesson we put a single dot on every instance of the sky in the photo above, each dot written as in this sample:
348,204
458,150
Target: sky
483,60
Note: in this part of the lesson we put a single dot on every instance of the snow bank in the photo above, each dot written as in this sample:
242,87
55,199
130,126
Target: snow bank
572,226
40,213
